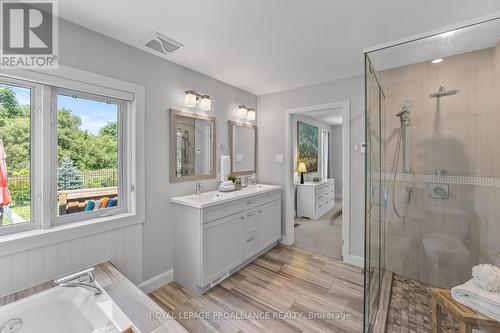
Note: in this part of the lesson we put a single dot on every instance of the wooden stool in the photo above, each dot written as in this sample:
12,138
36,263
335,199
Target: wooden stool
468,319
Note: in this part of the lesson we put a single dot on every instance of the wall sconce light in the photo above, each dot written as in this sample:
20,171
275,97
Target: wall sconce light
243,112
251,114
192,100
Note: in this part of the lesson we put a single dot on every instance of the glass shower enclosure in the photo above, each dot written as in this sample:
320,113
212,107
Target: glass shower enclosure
432,207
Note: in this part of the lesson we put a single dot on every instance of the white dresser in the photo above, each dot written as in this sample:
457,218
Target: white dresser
315,199
215,234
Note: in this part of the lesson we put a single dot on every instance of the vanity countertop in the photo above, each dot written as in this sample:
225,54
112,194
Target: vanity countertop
207,199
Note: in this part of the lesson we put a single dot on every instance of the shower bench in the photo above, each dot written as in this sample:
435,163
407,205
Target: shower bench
467,318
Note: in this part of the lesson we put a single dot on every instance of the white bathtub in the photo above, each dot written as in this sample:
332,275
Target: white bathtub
65,310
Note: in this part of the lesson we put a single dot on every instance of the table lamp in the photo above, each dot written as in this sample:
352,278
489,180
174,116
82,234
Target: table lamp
302,168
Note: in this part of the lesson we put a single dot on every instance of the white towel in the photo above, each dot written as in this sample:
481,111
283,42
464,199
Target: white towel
478,299
225,167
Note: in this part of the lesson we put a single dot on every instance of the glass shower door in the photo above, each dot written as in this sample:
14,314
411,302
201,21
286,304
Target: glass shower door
375,195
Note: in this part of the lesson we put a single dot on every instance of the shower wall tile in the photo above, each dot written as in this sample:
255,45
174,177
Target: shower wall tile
459,134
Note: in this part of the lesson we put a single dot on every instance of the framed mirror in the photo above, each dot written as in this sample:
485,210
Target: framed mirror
192,146
243,148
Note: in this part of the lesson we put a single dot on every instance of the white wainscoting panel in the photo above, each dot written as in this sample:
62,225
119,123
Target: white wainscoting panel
123,247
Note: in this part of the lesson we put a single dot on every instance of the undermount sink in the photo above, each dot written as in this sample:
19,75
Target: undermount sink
214,197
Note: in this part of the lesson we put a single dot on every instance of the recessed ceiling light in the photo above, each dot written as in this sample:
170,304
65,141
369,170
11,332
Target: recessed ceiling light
437,61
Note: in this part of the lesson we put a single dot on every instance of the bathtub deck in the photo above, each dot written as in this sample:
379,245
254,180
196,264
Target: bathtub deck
131,300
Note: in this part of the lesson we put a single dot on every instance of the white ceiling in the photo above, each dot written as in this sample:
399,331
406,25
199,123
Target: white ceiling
328,116
265,46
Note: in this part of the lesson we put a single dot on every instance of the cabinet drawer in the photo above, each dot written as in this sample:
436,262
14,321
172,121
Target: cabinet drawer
250,245
259,200
222,210
250,221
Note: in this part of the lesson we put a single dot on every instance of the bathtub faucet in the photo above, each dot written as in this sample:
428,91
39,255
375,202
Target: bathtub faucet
84,279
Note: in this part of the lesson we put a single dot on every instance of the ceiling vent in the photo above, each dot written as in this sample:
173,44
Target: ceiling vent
161,43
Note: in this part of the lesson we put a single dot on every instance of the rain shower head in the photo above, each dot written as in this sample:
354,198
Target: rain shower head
443,92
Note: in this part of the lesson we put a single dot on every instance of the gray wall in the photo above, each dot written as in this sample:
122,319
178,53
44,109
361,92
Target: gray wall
336,157
271,122
165,83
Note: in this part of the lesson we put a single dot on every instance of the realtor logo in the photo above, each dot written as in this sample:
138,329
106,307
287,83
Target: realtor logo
29,34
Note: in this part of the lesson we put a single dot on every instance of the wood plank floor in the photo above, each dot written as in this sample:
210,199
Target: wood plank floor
284,290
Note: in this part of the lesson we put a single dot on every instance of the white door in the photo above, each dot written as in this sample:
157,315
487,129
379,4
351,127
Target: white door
269,224
221,247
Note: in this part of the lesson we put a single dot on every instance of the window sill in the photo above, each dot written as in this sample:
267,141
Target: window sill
27,240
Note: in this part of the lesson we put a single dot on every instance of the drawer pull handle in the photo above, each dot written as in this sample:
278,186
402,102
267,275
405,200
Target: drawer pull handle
250,214
250,202
251,238
242,217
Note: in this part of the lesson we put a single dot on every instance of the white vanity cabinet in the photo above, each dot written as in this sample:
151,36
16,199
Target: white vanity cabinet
215,234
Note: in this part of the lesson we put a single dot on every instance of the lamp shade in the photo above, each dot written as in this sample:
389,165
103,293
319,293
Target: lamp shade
243,112
251,114
190,99
301,167
205,103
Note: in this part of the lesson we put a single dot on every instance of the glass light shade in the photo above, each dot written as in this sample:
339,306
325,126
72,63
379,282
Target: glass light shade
302,167
243,112
205,103
190,99
251,114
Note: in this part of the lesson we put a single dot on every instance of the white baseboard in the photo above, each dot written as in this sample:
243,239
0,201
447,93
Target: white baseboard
157,281
354,260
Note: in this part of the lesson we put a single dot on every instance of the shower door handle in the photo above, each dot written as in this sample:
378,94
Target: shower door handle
379,196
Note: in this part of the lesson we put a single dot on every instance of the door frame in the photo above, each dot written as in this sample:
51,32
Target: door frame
289,237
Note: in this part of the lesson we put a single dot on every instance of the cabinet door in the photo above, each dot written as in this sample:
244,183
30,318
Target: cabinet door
269,224
221,247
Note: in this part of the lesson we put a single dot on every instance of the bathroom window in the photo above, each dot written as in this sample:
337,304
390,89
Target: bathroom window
71,150
88,155
15,153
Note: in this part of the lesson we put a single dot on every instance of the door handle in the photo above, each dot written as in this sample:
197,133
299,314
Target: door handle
251,238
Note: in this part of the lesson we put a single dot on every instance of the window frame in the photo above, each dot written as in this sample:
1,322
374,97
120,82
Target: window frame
122,149
35,183
44,228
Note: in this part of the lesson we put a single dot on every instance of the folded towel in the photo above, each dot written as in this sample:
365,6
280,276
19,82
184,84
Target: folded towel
476,298
487,277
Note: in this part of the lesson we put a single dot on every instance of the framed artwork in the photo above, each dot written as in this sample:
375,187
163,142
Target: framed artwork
307,141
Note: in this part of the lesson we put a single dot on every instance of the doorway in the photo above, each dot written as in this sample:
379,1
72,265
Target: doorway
324,228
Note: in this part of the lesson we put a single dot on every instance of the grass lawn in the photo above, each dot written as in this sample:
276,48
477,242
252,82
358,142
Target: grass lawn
23,211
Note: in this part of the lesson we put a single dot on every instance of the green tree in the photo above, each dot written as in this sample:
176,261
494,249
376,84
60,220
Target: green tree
111,129
15,133
68,176
10,106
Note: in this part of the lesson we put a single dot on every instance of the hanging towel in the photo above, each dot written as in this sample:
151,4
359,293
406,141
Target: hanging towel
476,298
225,167
89,206
98,204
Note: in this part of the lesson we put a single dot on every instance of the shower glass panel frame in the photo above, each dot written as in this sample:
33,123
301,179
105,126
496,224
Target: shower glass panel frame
449,192
375,200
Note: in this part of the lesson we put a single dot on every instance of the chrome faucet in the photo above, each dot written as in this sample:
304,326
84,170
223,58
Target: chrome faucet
199,187
84,279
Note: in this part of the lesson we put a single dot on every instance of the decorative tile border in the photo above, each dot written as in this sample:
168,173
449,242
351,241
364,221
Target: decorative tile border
444,179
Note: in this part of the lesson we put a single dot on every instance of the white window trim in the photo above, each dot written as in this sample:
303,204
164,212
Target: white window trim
44,218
